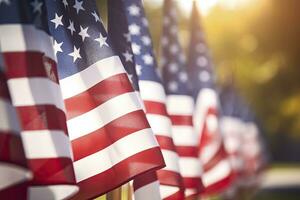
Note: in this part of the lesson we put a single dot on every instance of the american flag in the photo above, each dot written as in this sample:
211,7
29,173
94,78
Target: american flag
111,139
145,186
232,127
180,104
154,98
217,170
33,84
13,166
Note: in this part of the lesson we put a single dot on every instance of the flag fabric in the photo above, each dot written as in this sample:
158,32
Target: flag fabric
33,84
146,186
154,98
232,127
13,165
217,170
112,141
180,104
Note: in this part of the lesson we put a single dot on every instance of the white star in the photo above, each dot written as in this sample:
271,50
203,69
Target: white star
183,77
101,40
78,6
173,29
83,33
173,86
75,54
127,37
202,61
200,48
57,47
134,10
128,56
134,29
148,59
182,58
173,12
166,21
7,2
71,27
136,49
145,22
174,48
164,41
204,76
138,69
173,67
97,19
146,40
65,3
130,77
57,20
37,6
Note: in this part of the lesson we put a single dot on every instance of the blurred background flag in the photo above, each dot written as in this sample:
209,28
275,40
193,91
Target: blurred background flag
111,139
180,103
33,84
217,170
154,98
146,186
13,165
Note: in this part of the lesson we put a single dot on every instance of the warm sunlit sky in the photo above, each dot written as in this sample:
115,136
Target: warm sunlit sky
206,5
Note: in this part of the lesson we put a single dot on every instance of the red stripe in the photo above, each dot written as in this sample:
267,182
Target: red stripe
11,149
170,178
121,173
41,117
218,157
187,151
4,93
15,192
193,183
155,108
182,120
109,134
30,64
176,196
219,186
97,95
165,143
49,171
143,180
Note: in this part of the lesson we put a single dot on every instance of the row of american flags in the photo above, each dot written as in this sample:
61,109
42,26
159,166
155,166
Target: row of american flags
85,109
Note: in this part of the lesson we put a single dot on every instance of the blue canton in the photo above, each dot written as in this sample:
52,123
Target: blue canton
80,39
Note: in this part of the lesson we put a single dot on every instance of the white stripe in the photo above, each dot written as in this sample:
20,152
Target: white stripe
20,38
9,120
52,192
189,191
184,136
152,91
148,192
206,98
103,114
171,159
35,91
113,154
12,174
166,191
217,173
97,72
161,125
190,167
180,105
46,144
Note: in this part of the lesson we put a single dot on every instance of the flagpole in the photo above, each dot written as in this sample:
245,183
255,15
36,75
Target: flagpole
114,194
